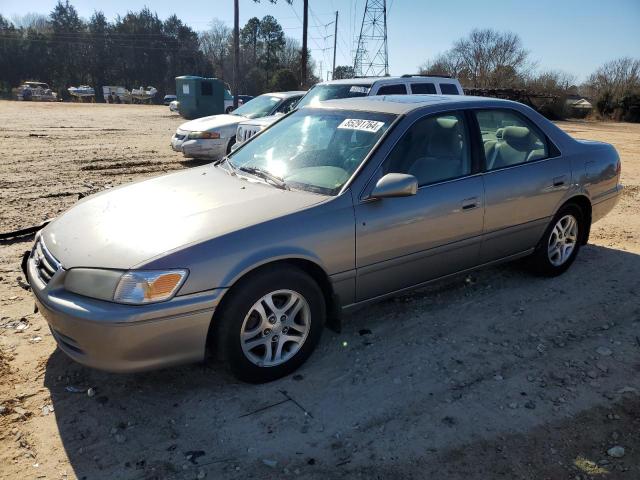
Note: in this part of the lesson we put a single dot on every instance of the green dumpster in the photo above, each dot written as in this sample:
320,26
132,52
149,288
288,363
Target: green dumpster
199,97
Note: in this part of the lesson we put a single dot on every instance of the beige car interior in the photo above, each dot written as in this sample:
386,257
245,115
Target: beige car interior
433,150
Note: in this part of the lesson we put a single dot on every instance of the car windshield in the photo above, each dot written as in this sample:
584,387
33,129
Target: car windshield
313,149
331,92
258,107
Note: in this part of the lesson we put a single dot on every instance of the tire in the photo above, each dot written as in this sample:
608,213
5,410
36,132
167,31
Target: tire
231,143
549,260
256,346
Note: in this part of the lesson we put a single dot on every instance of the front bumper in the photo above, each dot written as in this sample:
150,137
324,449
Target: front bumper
205,148
124,338
176,142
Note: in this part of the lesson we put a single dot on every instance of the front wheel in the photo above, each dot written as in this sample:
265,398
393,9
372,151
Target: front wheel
560,243
270,324
230,145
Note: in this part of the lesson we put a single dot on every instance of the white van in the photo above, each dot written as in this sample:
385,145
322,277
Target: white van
361,87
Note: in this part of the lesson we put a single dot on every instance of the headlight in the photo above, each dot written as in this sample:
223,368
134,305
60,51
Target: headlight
205,135
138,286
92,282
132,287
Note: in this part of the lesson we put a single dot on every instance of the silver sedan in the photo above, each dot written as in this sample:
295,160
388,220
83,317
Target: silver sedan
331,208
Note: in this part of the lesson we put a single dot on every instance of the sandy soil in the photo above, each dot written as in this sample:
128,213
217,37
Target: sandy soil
494,375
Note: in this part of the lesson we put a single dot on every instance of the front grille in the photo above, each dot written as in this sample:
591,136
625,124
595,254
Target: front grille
46,264
246,133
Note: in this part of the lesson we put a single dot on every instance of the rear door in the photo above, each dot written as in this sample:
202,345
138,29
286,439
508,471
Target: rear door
525,179
401,242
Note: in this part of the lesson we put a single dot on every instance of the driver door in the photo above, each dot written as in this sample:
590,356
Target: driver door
402,242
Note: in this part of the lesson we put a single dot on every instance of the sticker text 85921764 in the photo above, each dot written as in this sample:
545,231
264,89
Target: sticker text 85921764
363,125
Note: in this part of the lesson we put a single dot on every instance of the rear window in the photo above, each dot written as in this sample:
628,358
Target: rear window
397,89
449,89
424,88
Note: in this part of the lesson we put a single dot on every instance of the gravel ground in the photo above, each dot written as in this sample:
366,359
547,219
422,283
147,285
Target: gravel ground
494,375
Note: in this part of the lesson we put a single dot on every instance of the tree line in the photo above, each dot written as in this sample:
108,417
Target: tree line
139,49
488,59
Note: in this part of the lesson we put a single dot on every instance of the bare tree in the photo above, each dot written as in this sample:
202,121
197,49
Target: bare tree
34,21
484,59
215,44
617,78
289,56
551,81
446,64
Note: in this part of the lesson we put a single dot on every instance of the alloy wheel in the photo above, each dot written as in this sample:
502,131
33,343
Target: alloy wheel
563,240
275,328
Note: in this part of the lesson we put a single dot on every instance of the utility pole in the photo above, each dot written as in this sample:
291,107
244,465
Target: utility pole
335,44
305,24
236,52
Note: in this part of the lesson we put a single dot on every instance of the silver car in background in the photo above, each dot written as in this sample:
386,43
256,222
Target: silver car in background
212,137
331,208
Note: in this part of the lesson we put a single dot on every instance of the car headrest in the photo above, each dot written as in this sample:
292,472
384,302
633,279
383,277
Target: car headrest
444,139
444,122
518,138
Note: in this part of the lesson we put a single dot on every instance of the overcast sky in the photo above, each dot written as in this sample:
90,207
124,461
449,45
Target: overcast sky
569,35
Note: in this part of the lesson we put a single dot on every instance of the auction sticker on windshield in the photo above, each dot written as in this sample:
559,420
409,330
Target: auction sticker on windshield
363,125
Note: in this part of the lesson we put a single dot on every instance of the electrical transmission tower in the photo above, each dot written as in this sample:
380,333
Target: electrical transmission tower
372,56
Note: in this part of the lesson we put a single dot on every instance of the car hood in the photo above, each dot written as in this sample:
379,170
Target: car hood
262,121
124,227
208,123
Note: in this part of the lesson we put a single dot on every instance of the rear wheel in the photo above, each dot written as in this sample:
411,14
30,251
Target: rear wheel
560,243
270,324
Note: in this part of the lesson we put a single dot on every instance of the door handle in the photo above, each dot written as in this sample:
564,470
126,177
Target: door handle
469,203
559,181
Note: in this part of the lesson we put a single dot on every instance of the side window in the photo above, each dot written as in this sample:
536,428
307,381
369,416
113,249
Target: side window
434,149
206,88
287,105
428,88
397,89
509,139
449,89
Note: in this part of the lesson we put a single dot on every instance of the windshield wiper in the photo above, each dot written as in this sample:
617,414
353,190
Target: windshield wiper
265,175
232,168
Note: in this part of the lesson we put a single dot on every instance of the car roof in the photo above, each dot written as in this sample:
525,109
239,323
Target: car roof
372,80
403,104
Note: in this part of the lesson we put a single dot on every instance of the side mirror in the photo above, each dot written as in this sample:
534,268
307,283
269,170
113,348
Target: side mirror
395,185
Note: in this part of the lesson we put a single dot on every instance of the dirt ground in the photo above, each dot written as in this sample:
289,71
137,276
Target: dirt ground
495,375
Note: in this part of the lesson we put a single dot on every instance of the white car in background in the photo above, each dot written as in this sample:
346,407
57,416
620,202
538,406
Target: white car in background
173,106
360,87
212,137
